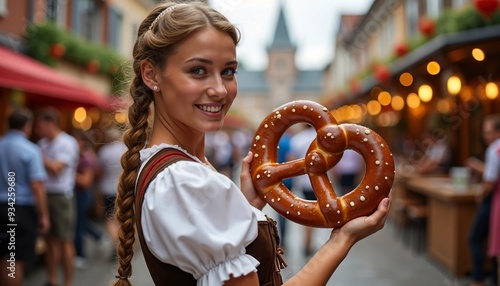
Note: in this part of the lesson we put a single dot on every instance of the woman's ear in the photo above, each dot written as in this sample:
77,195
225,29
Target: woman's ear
149,75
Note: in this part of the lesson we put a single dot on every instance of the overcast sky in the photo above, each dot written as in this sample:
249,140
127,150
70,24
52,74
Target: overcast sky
312,25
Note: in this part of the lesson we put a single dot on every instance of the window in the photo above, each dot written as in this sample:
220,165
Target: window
3,8
56,11
434,8
448,3
90,20
459,3
86,20
412,15
115,26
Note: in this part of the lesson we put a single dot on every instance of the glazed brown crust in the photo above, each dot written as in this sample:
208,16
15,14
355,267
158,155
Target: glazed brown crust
329,211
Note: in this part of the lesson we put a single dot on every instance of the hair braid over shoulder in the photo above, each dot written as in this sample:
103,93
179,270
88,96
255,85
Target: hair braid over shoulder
134,139
157,38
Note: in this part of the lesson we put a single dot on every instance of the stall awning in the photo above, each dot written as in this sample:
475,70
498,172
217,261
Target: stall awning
18,71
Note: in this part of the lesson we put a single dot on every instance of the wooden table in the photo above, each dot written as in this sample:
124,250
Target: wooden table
450,215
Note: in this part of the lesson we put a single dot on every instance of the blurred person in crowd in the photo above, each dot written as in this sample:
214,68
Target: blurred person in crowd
195,226
223,153
299,143
283,156
437,156
109,159
60,155
347,171
494,237
478,233
241,139
22,197
86,173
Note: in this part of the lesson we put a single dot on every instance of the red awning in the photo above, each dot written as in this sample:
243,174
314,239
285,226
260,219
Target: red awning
18,71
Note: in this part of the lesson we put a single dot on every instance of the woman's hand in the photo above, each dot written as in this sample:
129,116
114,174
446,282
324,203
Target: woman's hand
247,187
323,264
361,227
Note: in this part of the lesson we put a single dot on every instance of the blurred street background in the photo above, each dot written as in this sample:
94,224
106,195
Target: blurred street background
424,74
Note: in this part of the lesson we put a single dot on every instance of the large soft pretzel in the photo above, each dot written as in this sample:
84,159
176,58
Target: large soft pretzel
324,152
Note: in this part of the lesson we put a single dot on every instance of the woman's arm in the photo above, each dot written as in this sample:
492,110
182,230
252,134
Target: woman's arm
322,265
320,268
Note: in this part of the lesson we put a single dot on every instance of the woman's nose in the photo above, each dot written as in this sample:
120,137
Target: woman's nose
217,88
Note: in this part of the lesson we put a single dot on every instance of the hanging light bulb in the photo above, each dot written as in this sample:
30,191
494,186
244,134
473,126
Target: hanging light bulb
80,114
454,85
491,90
478,55
433,68
425,92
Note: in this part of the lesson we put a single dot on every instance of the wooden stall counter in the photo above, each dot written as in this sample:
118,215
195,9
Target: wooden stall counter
450,214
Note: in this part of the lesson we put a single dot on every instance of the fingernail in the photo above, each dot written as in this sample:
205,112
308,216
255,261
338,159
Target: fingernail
387,202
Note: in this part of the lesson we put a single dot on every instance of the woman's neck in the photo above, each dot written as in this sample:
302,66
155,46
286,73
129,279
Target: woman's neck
192,142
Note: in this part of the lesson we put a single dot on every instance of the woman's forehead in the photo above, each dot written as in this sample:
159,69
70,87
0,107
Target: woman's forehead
207,43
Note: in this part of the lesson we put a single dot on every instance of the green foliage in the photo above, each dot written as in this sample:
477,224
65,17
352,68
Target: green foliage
452,21
41,38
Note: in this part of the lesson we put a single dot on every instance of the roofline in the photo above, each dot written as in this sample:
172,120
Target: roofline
436,46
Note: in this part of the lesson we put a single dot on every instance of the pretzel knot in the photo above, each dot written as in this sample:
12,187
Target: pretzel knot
329,210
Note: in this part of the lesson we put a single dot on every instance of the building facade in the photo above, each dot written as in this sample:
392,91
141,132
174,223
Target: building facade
414,66
58,53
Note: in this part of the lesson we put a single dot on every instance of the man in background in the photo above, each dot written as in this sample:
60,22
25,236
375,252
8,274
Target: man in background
23,201
60,155
299,144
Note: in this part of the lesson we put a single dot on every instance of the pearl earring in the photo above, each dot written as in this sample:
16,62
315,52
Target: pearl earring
155,88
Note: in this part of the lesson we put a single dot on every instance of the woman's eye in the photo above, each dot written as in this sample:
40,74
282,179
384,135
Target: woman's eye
198,71
230,71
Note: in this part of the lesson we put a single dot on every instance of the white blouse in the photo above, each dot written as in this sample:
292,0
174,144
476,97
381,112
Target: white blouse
198,220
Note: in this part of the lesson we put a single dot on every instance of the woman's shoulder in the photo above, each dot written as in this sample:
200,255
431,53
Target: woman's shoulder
148,153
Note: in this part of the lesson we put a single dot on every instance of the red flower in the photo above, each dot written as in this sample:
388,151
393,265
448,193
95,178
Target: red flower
92,66
57,50
426,26
382,73
401,49
355,86
486,7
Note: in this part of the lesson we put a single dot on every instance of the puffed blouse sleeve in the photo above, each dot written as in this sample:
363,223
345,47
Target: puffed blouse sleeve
198,220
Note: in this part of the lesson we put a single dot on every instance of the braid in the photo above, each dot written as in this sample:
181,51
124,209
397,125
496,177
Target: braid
135,139
154,46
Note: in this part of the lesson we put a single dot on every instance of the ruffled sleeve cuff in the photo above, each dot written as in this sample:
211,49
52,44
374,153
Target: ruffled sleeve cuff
238,266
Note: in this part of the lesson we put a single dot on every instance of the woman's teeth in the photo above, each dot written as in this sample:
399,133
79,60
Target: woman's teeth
213,109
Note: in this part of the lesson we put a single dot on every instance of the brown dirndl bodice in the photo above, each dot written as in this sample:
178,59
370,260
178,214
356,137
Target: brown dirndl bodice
265,248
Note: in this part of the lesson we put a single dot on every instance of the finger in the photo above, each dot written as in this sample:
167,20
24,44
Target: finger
382,210
248,158
245,166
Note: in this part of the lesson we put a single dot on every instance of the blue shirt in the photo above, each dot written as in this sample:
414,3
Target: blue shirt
21,162
283,152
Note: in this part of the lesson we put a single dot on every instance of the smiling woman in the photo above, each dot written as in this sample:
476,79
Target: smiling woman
195,226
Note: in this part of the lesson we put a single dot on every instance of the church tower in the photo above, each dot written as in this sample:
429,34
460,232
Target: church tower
281,71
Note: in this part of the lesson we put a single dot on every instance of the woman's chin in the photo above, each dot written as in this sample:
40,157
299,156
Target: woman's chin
215,126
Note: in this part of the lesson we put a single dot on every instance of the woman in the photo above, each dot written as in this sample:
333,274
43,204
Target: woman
195,226
84,189
110,169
